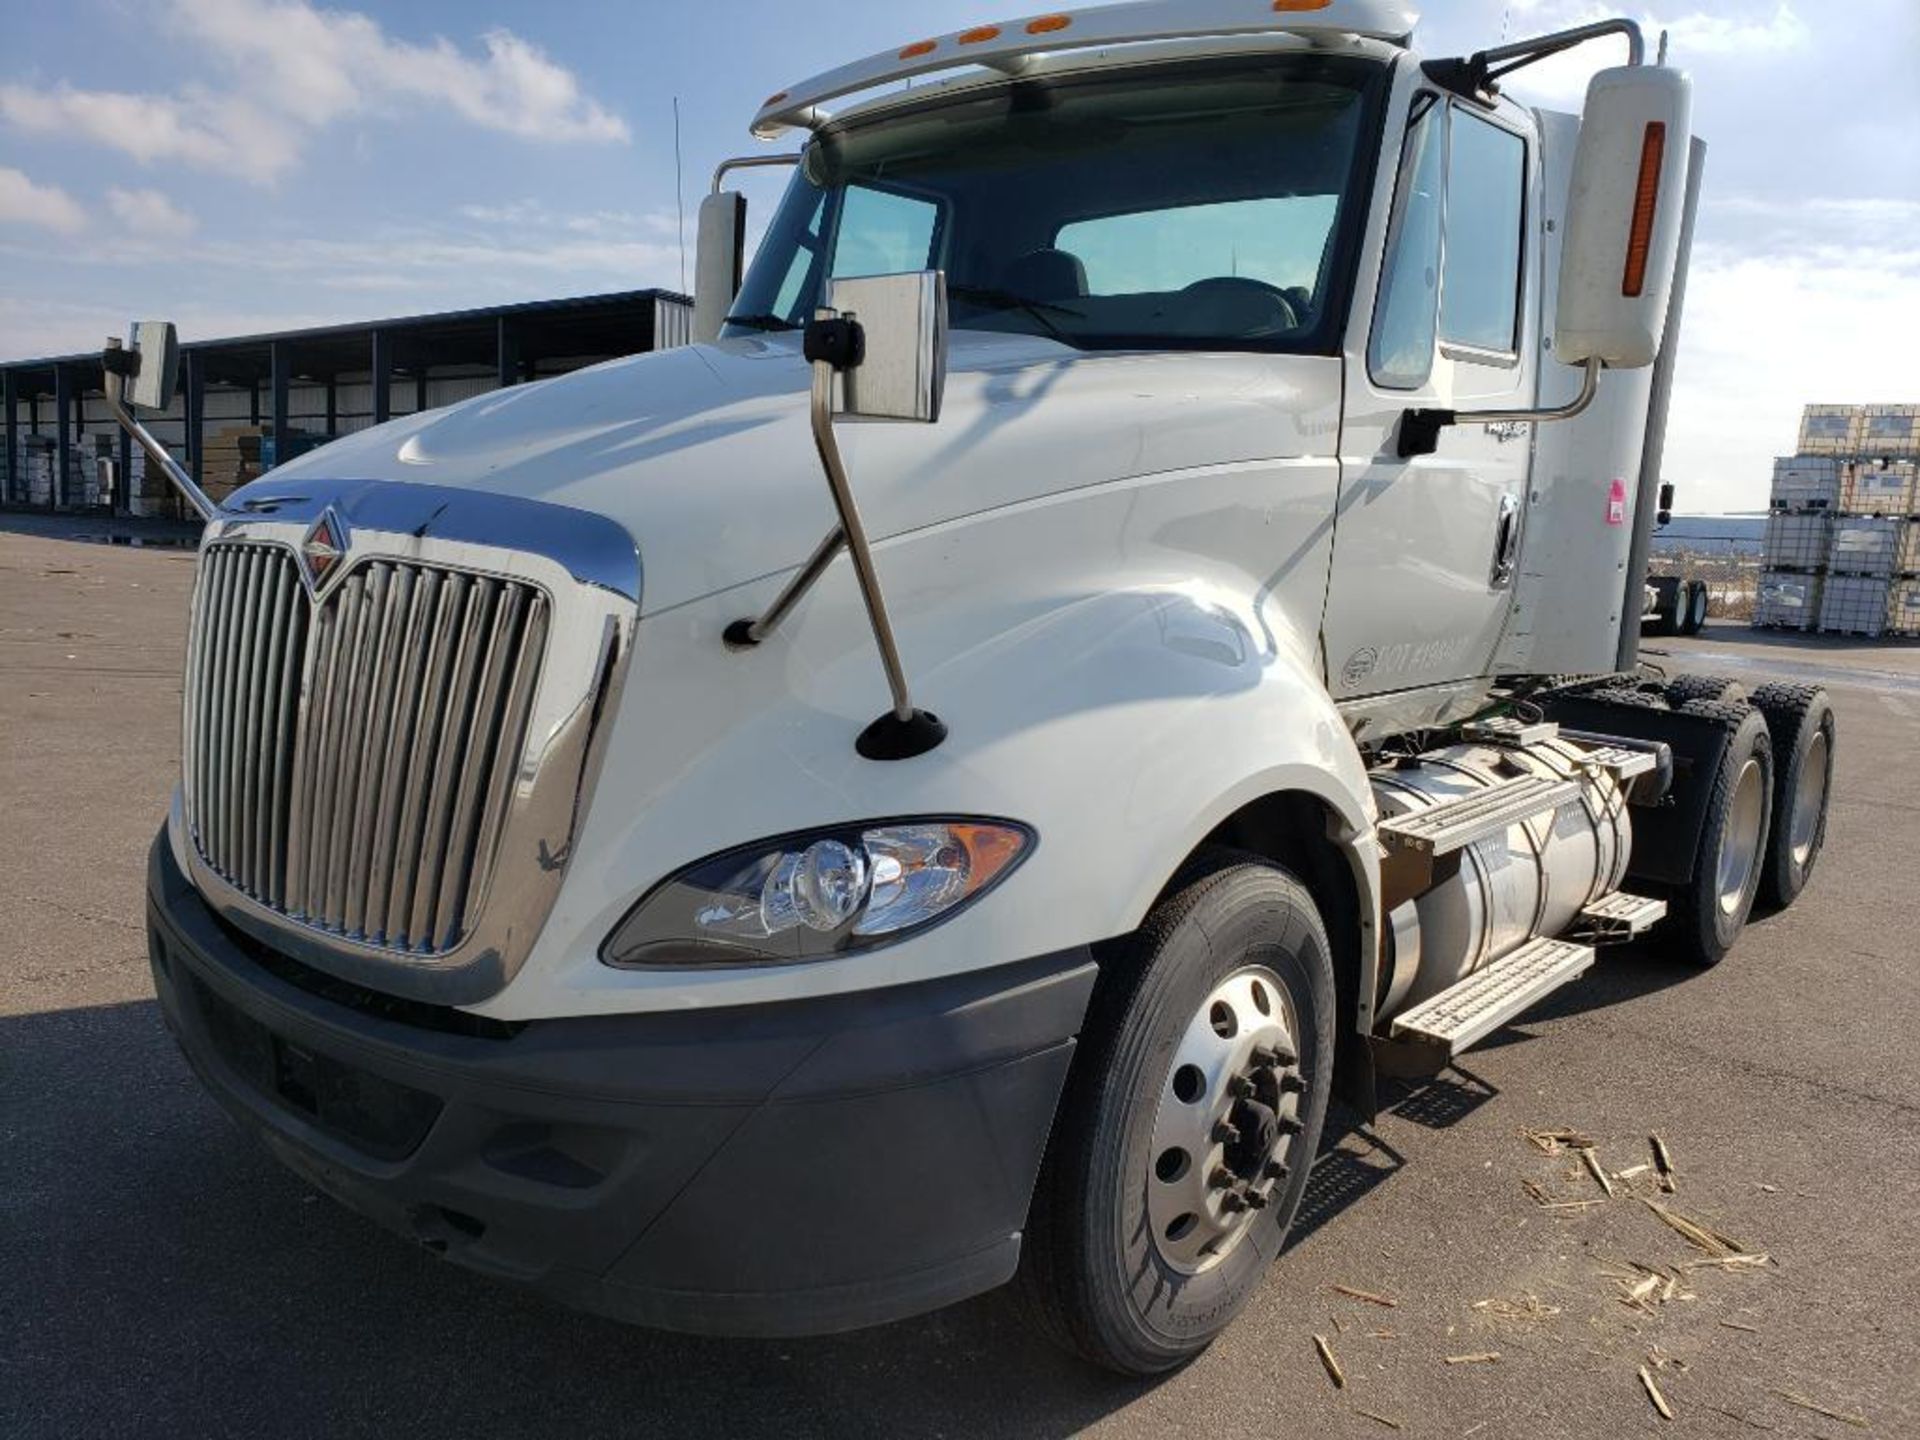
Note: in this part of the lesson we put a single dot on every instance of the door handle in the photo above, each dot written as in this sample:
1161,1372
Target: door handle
1506,545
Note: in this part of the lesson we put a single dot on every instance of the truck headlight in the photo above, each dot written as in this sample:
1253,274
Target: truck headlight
813,896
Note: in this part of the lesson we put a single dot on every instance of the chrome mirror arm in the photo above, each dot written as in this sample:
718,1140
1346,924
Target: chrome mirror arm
113,363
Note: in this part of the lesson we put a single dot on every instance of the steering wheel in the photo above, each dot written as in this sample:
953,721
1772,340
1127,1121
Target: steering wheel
1245,291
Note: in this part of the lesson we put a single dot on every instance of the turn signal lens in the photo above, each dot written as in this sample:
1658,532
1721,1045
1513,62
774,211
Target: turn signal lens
919,48
1646,208
817,896
1049,24
1289,7
979,35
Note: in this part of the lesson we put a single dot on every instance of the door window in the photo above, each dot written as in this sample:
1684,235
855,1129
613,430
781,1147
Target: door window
1400,356
1453,268
1486,190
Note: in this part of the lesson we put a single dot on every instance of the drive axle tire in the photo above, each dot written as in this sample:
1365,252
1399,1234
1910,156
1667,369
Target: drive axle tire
1708,912
1696,604
1685,689
1669,605
1189,1122
1801,721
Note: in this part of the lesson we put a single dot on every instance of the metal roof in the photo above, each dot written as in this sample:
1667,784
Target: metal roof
582,325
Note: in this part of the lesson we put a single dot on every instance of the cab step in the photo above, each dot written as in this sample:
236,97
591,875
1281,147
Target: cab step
1452,1021
1620,918
1454,826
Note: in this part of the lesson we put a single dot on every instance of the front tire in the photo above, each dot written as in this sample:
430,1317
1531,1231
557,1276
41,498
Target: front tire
1189,1122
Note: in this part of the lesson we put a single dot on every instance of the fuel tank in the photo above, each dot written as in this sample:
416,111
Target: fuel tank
1534,879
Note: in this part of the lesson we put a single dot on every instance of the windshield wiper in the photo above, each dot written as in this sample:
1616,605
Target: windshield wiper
990,297
762,322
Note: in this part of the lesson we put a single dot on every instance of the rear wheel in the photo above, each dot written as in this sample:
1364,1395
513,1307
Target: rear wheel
1711,909
1685,689
1696,602
1801,722
1189,1123
1669,605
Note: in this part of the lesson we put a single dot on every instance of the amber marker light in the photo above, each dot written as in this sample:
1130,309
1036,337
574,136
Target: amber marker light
1646,206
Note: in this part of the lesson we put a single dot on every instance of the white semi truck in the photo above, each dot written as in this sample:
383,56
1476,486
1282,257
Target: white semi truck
1243,436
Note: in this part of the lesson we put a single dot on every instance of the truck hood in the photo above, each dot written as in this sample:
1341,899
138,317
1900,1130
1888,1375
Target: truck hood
705,456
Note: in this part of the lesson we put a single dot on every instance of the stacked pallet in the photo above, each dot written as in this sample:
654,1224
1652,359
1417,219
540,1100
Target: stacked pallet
240,454
1843,537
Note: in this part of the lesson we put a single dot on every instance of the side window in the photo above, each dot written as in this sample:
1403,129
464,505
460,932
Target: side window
1400,354
883,232
1486,196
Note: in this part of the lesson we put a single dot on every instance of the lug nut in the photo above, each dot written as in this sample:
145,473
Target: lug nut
1239,1087
1291,1084
1232,1203
1226,1134
1256,1201
1275,1171
1222,1179
1288,1125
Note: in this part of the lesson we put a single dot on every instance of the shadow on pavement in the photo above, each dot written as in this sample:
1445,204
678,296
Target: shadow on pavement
165,1276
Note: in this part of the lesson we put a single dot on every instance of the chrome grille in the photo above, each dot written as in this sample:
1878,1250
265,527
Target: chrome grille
350,763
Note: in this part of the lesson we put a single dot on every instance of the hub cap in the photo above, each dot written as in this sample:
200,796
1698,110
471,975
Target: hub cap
1740,840
1229,1114
1809,799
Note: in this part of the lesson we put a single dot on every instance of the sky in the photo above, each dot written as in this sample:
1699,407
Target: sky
248,165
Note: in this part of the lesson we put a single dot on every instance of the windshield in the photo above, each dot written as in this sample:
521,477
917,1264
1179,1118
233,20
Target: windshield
1198,207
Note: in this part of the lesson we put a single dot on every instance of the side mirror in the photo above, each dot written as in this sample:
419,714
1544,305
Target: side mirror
1628,202
902,319
719,261
1667,495
156,345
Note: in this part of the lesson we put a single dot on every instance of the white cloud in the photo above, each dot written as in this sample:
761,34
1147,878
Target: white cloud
1694,34
150,214
1768,332
228,134
326,64
22,202
293,70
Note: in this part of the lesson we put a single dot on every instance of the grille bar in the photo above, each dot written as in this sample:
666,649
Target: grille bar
349,763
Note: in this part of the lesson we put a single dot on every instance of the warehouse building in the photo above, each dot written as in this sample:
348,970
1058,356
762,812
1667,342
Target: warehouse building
246,403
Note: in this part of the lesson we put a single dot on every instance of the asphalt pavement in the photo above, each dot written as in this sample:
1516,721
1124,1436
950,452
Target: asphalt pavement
161,1275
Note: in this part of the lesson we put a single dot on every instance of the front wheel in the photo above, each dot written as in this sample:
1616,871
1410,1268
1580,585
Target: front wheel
1189,1123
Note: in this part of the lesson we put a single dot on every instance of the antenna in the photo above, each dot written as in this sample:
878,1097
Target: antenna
679,197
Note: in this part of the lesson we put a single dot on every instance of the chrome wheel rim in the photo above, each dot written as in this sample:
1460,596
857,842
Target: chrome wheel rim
1810,799
1229,1111
1740,837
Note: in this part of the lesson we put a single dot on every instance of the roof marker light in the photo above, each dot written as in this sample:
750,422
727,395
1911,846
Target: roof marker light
1049,24
1286,7
774,99
1646,208
979,36
919,48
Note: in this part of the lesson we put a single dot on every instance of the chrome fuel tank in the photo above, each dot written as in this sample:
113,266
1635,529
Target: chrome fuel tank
1533,879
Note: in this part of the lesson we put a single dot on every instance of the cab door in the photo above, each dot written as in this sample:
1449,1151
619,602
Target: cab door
1425,549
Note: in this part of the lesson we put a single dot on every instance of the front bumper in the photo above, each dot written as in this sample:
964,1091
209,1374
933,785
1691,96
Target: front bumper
782,1169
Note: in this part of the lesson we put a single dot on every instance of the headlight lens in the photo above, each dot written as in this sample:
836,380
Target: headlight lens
809,897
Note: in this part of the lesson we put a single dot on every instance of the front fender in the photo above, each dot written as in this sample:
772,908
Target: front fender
1123,713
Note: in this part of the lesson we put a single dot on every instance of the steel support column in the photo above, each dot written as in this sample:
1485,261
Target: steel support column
382,367
9,397
333,406
279,379
196,415
62,435
507,349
